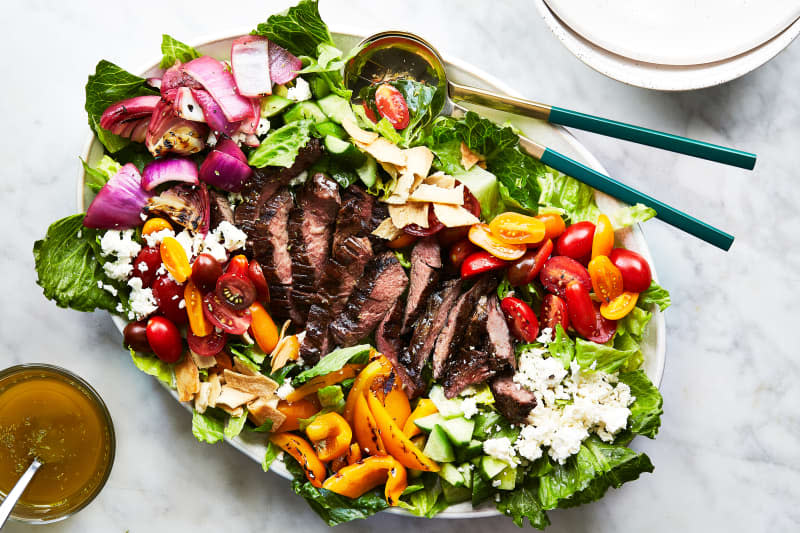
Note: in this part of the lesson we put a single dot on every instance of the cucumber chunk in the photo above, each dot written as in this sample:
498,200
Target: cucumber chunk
451,474
330,128
438,446
453,494
426,423
273,104
319,87
336,108
508,478
473,449
490,466
305,111
447,408
459,430
368,172
344,151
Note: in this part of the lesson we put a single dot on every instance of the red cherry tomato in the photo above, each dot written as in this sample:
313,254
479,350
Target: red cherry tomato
434,226
460,251
256,275
209,345
238,292
222,316
636,275
554,312
169,295
164,339
205,272
521,319
146,264
560,270
237,265
480,262
604,328
471,203
135,336
525,269
581,309
450,236
392,106
576,242
369,112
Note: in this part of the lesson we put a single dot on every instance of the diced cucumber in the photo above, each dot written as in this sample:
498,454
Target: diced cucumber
491,466
426,423
466,471
451,474
344,151
304,111
273,104
281,90
459,430
319,87
473,449
447,408
438,446
508,478
336,108
368,172
453,494
330,128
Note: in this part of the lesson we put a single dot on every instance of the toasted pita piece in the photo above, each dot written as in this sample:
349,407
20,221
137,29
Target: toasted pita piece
410,213
260,385
384,151
401,189
237,412
390,169
215,389
387,230
201,398
453,216
418,160
233,398
203,361
362,136
468,157
261,410
187,379
438,195
242,368
440,179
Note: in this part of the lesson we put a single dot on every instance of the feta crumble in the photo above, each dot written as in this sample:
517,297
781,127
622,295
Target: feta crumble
469,406
123,248
263,127
500,448
142,302
299,179
155,238
284,390
300,92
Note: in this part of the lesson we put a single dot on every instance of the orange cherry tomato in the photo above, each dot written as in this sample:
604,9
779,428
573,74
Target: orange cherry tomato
174,258
264,329
553,223
194,309
515,228
402,241
606,278
603,240
154,225
481,235
619,306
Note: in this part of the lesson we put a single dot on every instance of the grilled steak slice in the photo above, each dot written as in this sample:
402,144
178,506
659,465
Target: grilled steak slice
383,282
511,399
426,330
450,337
471,363
426,260
221,209
389,341
499,336
380,212
310,228
342,271
354,215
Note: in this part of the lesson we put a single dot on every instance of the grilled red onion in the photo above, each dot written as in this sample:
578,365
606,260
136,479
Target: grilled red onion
123,118
250,124
185,105
169,133
213,113
172,169
174,78
250,65
231,148
219,83
155,83
225,171
283,66
186,205
119,203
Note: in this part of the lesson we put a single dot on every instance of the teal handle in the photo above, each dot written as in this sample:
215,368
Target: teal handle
665,141
618,190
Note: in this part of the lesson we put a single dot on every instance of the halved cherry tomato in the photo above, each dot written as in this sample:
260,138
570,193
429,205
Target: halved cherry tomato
460,251
193,299
521,319
222,316
471,203
238,265
525,270
604,328
264,329
581,309
516,228
553,224
205,272
210,345
606,278
603,240
554,312
256,275
620,306
560,270
576,242
402,241
392,106
636,275
434,226
480,262
369,112
154,225
164,339
174,258
168,294
135,336
449,236
480,235
236,290
146,264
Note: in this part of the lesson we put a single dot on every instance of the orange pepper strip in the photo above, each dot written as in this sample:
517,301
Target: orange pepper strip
194,309
303,453
353,453
380,367
366,430
396,443
347,372
354,480
331,435
155,224
305,408
264,329
396,402
424,408
174,258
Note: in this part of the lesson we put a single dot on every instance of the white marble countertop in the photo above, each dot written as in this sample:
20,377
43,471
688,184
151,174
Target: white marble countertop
728,454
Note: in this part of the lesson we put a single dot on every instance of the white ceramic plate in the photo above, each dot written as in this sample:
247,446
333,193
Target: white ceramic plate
665,77
653,346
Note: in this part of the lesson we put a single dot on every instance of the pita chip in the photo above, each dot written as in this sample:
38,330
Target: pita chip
187,379
468,157
201,398
440,179
387,230
439,195
233,398
410,213
359,135
259,385
453,216
260,410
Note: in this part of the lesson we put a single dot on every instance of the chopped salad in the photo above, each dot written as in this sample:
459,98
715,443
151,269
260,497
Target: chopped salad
411,310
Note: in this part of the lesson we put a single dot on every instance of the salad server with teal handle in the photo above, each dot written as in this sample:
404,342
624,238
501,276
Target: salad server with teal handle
396,54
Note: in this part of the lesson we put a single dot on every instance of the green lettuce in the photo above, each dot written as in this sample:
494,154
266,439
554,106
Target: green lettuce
592,356
300,29
630,215
562,347
153,366
328,65
235,425
331,397
270,455
206,428
647,409
99,175
281,147
332,362
569,196
655,294
173,50
522,503
428,501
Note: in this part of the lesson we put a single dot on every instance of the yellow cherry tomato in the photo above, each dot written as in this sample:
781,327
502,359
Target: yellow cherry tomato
198,322
174,258
603,240
606,278
154,225
619,306
516,228
481,235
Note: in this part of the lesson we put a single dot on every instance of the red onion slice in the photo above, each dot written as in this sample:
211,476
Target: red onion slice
213,113
168,132
174,78
229,147
172,169
219,83
250,65
225,171
186,205
185,105
250,124
119,203
283,66
122,118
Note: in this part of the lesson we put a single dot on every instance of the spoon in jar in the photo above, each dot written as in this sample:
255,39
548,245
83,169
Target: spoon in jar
13,496
393,55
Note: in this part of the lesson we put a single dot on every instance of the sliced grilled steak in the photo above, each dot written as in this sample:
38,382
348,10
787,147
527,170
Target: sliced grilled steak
354,215
310,229
221,209
450,337
426,329
499,337
471,363
383,282
511,399
380,212
426,260
389,341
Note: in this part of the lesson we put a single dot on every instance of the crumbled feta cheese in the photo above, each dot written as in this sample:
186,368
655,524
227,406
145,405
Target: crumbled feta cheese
300,92
211,141
239,138
263,127
496,483
142,302
285,389
79,234
233,238
142,267
108,288
299,179
192,243
546,336
500,448
119,308
119,244
469,406
155,238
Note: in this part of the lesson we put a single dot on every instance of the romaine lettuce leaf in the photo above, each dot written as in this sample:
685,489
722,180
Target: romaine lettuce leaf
153,366
655,294
630,215
99,175
573,198
592,356
328,64
331,397
522,503
332,362
206,428
427,501
300,29
235,424
281,147
270,455
173,50
562,347
647,409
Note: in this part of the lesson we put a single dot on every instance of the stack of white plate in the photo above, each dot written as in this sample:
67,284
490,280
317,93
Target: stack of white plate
675,45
